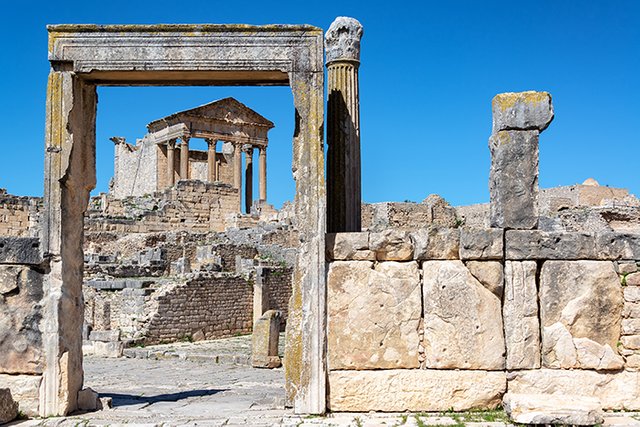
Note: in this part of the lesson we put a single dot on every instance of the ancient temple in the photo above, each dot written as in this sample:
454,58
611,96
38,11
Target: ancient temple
163,157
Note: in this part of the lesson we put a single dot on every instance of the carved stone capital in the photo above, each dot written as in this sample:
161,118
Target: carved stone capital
343,40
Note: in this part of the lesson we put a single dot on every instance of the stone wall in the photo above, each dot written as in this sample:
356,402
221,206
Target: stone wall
19,215
135,169
441,318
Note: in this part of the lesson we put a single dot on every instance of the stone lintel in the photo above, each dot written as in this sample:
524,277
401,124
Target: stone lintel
20,250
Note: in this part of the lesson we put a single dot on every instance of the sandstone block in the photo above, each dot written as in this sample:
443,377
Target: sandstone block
513,179
534,244
401,390
349,247
580,312
391,245
20,250
436,243
489,273
553,409
25,390
522,111
8,407
462,319
264,340
481,244
373,315
616,390
520,313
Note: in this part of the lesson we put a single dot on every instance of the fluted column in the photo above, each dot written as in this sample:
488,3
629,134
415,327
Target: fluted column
262,181
211,160
184,158
171,145
248,177
237,172
344,199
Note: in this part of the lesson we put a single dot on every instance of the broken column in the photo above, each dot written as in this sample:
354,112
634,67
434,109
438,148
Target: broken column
343,125
518,119
265,339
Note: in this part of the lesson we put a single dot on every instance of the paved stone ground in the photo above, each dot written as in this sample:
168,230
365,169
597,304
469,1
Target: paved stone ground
193,391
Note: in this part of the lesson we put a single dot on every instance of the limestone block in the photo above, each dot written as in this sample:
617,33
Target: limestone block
108,349
88,400
632,279
522,111
534,244
489,273
520,313
401,390
513,179
374,314
631,293
555,409
349,247
618,246
8,406
631,342
105,336
264,340
616,390
631,326
25,390
20,250
481,244
391,245
436,243
580,312
631,310
462,319
627,267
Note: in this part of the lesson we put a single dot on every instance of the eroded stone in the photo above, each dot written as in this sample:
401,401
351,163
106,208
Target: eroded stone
490,274
349,247
264,340
436,243
522,111
553,409
8,406
25,390
481,244
534,244
391,245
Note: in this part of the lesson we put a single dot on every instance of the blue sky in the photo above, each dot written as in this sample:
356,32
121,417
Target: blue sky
429,71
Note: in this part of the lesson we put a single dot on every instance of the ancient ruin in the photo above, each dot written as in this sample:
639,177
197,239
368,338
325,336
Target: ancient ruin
530,301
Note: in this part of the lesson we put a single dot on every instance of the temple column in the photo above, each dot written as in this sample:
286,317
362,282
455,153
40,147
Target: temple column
211,160
344,199
171,145
184,158
262,182
248,177
237,172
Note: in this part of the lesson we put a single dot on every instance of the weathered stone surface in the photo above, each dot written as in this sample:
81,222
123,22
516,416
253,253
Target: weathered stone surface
631,293
580,312
20,250
632,279
20,320
25,390
462,319
631,342
513,179
619,390
414,390
522,111
534,244
489,273
391,245
627,267
436,243
374,314
481,244
105,336
8,406
553,409
617,246
88,400
264,340
343,39
631,326
631,310
520,313
349,247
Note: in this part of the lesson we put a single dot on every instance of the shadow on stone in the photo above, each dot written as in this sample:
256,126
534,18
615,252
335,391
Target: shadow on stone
120,399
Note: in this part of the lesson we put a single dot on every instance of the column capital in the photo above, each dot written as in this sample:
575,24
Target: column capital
171,143
185,138
211,141
248,148
343,40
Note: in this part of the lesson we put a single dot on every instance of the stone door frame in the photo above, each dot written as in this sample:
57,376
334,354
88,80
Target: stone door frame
83,57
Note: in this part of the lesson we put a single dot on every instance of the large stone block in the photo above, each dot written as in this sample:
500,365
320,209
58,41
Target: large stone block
349,247
414,390
520,313
490,274
462,319
20,250
534,244
481,244
374,314
553,409
619,390
522,111
436,243
618,246
580,312
513,179
264,340
391,245
8,406
25,390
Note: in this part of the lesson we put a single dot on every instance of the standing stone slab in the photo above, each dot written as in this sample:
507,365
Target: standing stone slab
462,319
264,340
580,311
513,179
520,312
374,314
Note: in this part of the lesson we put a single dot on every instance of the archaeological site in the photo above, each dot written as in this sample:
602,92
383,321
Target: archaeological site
530,302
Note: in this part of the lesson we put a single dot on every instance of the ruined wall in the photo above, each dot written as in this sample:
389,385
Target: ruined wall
277,282
408,215
19,215
135,169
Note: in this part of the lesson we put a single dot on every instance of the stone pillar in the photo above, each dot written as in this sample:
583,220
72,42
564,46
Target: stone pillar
184,158
262,182
248,177
344,199
171,177
264,340
237,172
518,119
211,160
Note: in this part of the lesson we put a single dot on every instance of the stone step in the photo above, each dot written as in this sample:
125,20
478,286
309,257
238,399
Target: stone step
553,409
